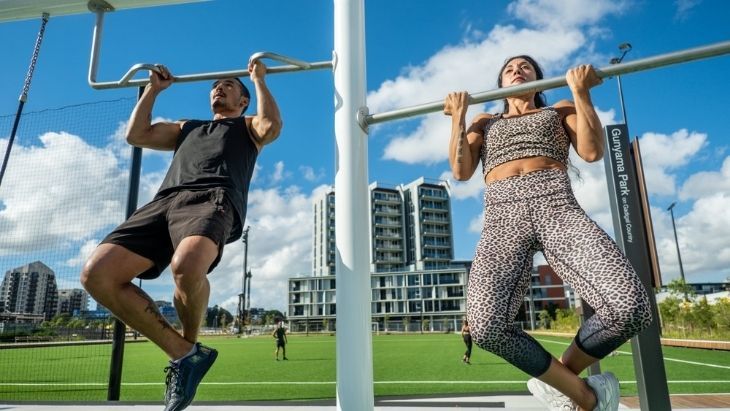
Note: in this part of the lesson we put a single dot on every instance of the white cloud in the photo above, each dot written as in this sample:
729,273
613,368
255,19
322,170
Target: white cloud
472,66
684,8
278,173
663,154
310,174
58,193
565,13
703,239
460,190
706,183
279,248
85,251
477,223
428,144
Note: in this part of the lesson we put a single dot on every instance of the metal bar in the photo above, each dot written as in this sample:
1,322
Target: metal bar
128,81
354,372
114,388
661,60
279,57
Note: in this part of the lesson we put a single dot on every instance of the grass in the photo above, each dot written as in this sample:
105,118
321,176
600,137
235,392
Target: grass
245,370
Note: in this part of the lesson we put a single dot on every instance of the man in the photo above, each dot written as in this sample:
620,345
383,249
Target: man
280,337
200,207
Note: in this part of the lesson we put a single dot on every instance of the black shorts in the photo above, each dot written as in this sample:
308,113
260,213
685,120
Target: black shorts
156,229
280,343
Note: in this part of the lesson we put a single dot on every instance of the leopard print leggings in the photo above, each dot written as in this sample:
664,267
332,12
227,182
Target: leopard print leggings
538,212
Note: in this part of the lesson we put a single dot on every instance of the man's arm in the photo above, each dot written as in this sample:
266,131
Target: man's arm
266,125
140,131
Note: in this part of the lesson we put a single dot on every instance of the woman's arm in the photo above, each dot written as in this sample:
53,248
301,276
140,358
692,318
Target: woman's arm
464,144
581,121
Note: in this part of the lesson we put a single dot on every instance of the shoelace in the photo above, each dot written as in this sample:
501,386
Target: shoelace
173,374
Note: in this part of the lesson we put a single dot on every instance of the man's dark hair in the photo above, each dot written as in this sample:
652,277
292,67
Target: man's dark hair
244,91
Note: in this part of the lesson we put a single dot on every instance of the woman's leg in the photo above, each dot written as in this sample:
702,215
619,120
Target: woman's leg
498,281
586,258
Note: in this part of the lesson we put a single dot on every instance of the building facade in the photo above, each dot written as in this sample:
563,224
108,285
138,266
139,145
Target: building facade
414,280
72,301
29,290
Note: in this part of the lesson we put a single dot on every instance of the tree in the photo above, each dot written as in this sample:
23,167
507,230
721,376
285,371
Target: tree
566,320
680,288
544,319
271,316
702,315
217,317
669,311
721,309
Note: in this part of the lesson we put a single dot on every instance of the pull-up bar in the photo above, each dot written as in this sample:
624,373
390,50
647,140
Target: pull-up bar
296,65
128,81
661,60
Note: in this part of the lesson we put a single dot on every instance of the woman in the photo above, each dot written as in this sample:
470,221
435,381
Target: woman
530,207
466,335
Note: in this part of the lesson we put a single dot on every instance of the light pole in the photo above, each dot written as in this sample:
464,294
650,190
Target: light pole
625,48
247,308
679,256
242,296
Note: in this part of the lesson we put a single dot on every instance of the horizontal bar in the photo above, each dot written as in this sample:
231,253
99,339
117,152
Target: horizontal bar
128,81
661,60
15,10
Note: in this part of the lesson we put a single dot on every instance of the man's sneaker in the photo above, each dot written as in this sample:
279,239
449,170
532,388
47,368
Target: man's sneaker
184,376
550,397
607,391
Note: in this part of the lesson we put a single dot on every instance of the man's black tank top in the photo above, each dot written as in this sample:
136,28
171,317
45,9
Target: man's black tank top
212,154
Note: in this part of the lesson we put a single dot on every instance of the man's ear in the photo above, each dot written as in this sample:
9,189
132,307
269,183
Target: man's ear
244,101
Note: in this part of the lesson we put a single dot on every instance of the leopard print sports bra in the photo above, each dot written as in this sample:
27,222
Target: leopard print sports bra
535,134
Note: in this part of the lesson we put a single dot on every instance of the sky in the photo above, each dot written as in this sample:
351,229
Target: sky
417,52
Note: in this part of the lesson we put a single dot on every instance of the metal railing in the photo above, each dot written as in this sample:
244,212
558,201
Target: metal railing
128,79
661,60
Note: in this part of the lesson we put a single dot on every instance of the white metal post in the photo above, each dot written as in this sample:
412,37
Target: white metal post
354,344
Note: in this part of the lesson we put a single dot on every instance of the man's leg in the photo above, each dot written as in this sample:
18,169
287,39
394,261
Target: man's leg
189,266
107,276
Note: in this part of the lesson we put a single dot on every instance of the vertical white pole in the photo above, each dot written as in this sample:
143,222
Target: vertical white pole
354,344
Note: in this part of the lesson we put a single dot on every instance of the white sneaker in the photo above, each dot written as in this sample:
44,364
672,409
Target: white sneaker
607,391
549,396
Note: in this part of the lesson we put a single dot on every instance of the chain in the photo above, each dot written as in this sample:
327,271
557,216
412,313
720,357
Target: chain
36,51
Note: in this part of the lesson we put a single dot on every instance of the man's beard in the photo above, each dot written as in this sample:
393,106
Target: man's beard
220,104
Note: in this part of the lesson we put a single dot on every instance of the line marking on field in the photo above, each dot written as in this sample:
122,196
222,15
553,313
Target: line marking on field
725,367
104,384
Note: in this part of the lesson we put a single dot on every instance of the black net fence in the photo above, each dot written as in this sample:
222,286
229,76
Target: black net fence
65,187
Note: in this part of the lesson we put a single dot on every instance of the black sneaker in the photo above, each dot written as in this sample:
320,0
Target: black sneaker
183,377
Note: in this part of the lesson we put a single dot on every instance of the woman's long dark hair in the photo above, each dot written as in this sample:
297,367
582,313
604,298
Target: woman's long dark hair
540,100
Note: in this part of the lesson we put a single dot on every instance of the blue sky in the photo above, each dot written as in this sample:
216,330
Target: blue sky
417,51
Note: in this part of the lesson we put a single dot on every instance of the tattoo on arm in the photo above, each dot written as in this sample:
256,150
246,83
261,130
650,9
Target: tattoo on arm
460,146
152,308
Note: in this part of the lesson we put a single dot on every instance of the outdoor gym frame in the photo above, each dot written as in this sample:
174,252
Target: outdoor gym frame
355,372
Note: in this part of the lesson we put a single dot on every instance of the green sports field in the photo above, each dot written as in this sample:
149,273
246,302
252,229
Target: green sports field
246,370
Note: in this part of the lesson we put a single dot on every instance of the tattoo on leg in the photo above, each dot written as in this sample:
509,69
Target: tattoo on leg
152,308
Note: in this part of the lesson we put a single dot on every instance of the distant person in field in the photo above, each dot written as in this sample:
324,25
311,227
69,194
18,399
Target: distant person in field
200,207
466,335
279,335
